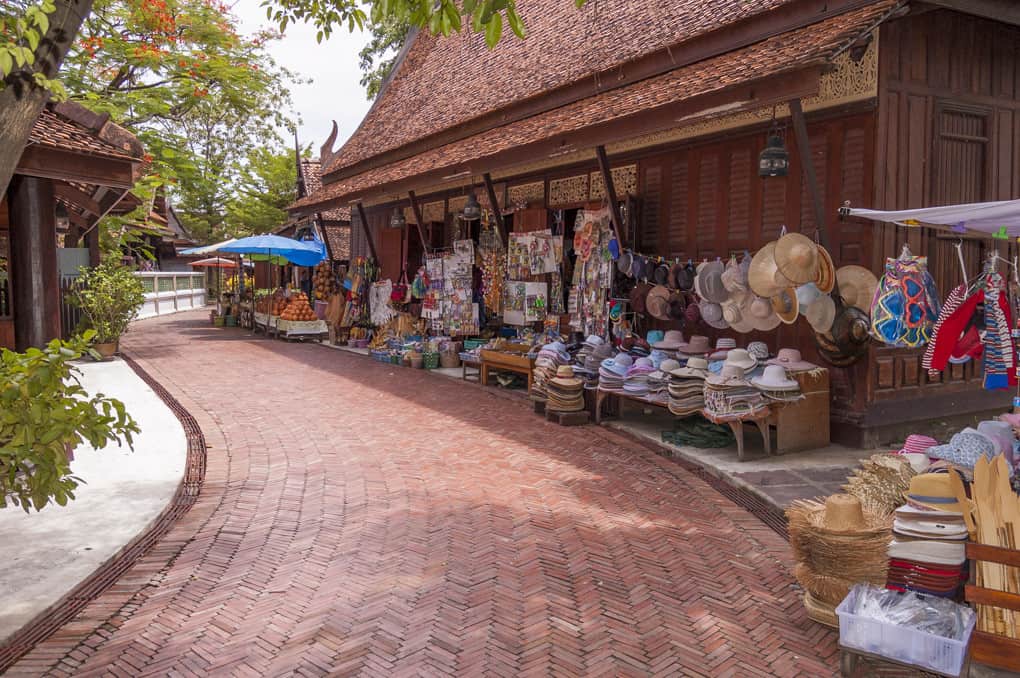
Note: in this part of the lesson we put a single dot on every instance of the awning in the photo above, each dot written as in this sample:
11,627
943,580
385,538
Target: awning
999,219
207,249
780,68
295,251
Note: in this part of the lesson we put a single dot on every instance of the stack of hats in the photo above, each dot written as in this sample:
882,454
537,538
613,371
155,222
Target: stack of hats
776,386
612,372
636,382
928,550
657,356
565,391
588,346
659,379
915,451
759,350
836,545
730,394
722,348
671,341
592,363
687,387
989,439
698,346
550,358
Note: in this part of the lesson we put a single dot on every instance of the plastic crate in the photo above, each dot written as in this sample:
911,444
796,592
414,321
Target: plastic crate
431,360
230,320
899,643
473,343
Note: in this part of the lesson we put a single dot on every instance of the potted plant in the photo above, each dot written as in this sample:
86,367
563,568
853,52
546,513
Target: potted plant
44,414
109,297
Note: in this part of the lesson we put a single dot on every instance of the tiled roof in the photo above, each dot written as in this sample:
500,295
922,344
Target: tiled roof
311,174
339,239
54,131
795,50
446,81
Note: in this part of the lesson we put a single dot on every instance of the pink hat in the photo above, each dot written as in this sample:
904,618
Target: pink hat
917,444
791,359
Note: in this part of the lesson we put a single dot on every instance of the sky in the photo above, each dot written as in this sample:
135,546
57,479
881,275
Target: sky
335,92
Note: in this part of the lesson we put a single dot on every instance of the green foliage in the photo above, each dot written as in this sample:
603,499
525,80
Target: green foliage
380,55
44,411
23,26
109,297
266,184
441,17
199,96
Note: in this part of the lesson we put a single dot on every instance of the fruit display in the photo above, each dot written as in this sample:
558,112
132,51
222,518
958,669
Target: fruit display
271,305
323,281
298,309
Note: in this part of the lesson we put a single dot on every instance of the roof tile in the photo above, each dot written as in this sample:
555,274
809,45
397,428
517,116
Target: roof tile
53,131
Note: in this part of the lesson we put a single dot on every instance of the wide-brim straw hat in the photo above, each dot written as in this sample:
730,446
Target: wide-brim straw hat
657,302
844,515
785,304
821,313
796,258
818,611
857,286
826,278
761,276
762,315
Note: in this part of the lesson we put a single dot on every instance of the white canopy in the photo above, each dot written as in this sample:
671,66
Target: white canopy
207,249
985,217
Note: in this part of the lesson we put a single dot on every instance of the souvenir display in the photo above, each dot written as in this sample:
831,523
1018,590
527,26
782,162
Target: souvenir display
906,303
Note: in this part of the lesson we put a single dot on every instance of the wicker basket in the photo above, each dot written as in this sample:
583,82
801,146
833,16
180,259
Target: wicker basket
449,359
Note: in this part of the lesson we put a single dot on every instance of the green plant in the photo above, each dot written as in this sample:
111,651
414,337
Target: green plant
44,412
109,297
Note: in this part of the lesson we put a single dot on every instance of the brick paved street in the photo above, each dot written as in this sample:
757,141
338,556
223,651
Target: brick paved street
361,519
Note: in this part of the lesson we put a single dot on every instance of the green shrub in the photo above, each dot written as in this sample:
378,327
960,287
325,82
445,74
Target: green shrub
109,297
44,411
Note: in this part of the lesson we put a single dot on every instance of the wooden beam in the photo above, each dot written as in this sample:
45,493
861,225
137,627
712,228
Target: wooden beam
368,232
808,168
614,206
1005,11
416,208
50,163
79,198
496,212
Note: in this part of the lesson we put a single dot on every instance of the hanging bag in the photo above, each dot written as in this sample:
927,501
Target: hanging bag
906,303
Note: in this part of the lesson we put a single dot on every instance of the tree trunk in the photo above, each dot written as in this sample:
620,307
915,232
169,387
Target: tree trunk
20,100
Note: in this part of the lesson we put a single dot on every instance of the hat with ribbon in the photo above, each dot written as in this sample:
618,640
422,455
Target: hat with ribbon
774,379
696,368
790,359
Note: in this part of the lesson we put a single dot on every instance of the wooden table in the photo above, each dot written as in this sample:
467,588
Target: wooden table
804,425
471,370
759,419
501,361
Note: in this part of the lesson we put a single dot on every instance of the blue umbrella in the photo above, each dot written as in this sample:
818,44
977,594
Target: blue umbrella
295,251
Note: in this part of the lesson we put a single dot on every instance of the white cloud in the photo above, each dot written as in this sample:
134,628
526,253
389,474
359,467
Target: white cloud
335,92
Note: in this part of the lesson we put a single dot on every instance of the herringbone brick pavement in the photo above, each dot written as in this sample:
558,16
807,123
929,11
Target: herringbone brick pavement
363,519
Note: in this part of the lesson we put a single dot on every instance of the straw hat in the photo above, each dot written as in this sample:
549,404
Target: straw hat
698,345
657,302
761,276
826,278
697,368
565,377
709,282
821,313
843,514
784,303
734,278
857,286
711,313
774,379
672,340
790,359
796,258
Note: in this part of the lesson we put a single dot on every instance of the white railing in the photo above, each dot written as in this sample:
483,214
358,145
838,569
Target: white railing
171,292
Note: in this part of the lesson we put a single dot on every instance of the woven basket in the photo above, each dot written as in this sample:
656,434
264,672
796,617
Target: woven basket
449,359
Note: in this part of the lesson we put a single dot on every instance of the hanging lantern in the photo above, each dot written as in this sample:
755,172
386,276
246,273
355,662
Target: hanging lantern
774,161
472,210
398,221
63,218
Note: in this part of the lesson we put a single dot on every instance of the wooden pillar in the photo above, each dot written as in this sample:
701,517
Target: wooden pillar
92,242
367,230
426,245
494,203
614,206
34,281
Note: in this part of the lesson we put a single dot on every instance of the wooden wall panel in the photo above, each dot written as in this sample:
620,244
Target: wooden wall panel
651,206
678,210
708,205
738,218
948,132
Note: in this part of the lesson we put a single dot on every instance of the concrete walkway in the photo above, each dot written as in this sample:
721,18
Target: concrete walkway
48,553
359,520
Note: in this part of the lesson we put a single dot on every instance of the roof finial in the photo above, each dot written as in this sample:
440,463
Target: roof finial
326,152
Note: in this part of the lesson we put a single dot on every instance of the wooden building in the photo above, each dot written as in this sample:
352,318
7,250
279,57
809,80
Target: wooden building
906,104
76,163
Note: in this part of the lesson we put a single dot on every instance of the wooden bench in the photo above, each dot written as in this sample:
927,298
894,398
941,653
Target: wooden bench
501,361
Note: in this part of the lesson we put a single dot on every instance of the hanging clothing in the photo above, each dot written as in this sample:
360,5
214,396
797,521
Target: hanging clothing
951,325
998,355
906,303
